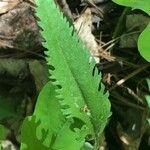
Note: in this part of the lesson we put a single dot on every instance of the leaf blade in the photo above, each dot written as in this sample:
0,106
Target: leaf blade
68,50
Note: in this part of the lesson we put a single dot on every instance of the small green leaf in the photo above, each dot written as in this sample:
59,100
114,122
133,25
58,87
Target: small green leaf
143,43
135,4
3,132
148,96
28,135
48,111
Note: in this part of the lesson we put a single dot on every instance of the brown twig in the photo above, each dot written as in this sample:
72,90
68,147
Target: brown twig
120,82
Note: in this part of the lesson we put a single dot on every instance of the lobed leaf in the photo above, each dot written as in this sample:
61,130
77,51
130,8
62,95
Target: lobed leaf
28,135
47,128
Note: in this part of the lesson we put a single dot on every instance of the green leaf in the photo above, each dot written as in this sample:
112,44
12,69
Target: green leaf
28,135
143,43
148,96
48,113
135,4
70,139
148,99
59,135
71,71
48,109
70,107
3,132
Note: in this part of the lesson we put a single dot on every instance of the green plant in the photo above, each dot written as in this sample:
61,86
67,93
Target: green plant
143,41
148,100
70,110
3,134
